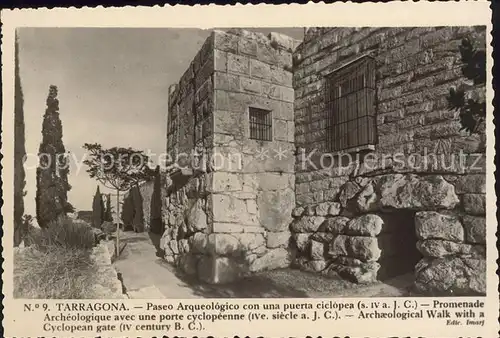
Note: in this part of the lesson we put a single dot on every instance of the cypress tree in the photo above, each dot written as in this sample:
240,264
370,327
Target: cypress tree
19,154
108,214
138,222
127,214
97,209
156,224
52,171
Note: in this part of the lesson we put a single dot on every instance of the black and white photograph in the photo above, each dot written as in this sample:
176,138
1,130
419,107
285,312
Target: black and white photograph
302,162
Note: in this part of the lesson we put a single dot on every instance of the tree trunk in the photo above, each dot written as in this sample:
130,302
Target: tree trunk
117,223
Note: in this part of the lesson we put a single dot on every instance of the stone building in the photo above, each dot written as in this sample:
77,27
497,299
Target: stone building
337,155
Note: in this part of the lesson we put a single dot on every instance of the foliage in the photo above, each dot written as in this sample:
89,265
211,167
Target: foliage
97,209
127,214
19,154
156,224
138,221
52,172
117,168
108,214
54,273
63,232
472,111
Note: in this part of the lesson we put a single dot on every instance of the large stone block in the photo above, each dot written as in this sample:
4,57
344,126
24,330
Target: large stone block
229,209
317,250
471,184
196,218
188,263
439,248
475,229
226,42
307,224
223,244
474,204
220,181
452,276
433,225
396,191
365,225
334,225
250,241
273,259
339,246
218,270
301,241
278,239
238,64
198,242
364,248
364,273
275,209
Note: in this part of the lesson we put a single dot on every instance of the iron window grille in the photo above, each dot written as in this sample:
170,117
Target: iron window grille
350,104
261,124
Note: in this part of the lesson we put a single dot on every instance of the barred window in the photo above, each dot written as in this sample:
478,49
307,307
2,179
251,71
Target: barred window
261,124
350,104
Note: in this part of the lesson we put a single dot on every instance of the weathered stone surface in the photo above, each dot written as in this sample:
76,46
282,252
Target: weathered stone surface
439,248
365,225
453,276
275,209
324,237
364,248
174,247
334,209
307,224
317,250
367,199
363,274
250,241
334,225
475,229
198,242
416,192
273,259
311,266
474,204
229,209
298,211
223,244
339,246
218,270
196,217
322,209
471,184
301,241
433,225
188,263
278,239
220,181
184,246
348,191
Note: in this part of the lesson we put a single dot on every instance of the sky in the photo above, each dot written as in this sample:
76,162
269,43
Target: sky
113,88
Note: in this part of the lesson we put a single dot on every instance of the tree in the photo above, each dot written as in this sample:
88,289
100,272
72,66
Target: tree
117,168
97,209
108,214
20,228
53,168
156,224
472,111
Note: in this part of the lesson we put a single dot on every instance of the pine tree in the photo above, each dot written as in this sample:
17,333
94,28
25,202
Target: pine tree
108,214
97,209
156,224
52,172
19,155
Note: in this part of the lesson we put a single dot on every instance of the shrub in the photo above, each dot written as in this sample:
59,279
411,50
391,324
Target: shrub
53,272
63,232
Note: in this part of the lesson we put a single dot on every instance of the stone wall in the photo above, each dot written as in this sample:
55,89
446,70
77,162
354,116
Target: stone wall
252,185
423,185
233,219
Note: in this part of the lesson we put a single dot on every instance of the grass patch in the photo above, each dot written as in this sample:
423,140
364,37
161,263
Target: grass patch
57,264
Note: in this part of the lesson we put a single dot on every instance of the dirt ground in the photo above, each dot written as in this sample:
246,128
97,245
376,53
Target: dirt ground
145,275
